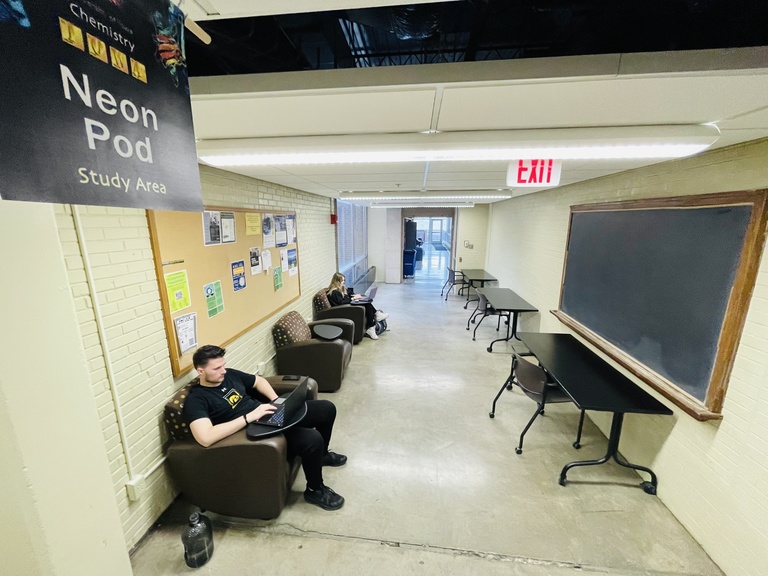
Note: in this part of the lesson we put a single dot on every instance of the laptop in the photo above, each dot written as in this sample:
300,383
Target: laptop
287,408
367,297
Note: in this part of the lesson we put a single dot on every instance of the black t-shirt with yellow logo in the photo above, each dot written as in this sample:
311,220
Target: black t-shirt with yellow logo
223,403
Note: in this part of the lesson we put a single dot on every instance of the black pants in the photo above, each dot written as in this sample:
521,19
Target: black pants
310,439
370,314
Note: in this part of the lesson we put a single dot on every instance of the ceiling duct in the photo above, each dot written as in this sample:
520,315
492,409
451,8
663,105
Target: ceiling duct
414,21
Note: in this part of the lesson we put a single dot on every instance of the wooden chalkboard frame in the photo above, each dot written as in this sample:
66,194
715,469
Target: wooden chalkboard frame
175,250
736,310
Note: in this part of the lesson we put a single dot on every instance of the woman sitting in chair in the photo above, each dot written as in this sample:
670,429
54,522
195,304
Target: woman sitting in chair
339,294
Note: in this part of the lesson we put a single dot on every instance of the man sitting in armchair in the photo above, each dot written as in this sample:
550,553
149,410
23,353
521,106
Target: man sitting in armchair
220,406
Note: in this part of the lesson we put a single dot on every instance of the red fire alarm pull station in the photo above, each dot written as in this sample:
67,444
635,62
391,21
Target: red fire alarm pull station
334,218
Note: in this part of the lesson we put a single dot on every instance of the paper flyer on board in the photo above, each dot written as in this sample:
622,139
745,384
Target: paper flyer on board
238,275
228,234
281,230
255,260
177,288
214,299
266,258
186,331
268,230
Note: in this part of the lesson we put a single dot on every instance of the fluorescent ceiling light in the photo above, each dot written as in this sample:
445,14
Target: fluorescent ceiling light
422,198
443,205
642,142
489,154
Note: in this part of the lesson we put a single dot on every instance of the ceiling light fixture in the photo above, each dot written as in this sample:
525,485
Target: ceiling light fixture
443,205
652,142
422,197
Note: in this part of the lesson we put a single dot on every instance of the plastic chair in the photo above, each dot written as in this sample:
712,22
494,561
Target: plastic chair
454,279
533,381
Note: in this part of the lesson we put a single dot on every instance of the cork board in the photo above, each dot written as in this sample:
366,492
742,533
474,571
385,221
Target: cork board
212,270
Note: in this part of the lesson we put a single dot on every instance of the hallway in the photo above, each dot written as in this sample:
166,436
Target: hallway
433,485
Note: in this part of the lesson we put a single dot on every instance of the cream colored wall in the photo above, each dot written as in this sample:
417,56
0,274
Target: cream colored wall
712,475
59,511
472,227
377,245
134,348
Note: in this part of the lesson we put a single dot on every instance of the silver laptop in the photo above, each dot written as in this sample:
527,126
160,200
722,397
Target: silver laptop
368,297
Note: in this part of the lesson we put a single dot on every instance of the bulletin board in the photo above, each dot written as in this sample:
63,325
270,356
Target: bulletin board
220,273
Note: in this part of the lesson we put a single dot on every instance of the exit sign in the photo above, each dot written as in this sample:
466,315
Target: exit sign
534,172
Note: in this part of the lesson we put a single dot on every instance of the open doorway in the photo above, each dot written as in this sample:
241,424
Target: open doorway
434,242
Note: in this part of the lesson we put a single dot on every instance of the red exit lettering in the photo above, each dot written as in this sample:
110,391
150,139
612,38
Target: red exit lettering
538,172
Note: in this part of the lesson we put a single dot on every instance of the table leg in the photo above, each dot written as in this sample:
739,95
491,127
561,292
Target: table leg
613,452
509,336
469,290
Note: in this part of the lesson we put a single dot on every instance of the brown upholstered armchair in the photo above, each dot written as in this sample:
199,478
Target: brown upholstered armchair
256,473
322,310
298,351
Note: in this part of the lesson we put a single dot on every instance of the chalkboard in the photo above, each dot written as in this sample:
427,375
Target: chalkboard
213,273
663,286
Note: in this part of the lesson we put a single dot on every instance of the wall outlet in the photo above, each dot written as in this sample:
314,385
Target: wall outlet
261,367
135,487
461,259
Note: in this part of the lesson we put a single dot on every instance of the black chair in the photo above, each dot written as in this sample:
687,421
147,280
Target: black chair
535,384
484,309
454,279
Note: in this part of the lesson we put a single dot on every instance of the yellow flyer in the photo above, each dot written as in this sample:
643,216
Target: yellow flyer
177,287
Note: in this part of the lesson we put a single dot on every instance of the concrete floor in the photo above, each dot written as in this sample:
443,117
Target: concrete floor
433,485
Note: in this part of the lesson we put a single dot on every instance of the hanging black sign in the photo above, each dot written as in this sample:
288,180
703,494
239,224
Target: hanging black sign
94,104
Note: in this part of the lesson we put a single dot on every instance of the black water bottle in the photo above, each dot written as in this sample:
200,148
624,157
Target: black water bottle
198,540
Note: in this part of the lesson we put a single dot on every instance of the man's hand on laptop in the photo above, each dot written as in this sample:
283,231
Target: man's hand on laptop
260,412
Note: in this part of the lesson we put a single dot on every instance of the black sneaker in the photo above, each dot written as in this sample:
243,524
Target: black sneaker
324,497
333,459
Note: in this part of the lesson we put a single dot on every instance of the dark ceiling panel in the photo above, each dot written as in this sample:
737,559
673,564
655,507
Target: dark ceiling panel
473,30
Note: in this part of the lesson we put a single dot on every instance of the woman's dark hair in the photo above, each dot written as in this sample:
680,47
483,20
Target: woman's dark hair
205,353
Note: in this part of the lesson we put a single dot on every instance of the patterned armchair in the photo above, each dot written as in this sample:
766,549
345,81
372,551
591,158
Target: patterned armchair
322,310
258,473
299,351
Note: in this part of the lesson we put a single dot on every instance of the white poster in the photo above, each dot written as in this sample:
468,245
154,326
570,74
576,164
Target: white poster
290,226
186,331
284,259
268,230
255,260
266,260
228,234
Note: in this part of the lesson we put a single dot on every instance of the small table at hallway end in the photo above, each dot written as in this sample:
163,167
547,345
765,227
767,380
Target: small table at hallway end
593,384
472,275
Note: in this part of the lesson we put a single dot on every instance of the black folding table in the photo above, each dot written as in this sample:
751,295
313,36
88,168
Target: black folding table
504,300
475,275
593,384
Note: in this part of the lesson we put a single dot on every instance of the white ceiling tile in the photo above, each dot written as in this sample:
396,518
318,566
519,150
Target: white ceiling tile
312,115
615,102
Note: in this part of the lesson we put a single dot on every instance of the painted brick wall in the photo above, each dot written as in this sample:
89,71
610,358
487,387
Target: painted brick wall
117,246
712,475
